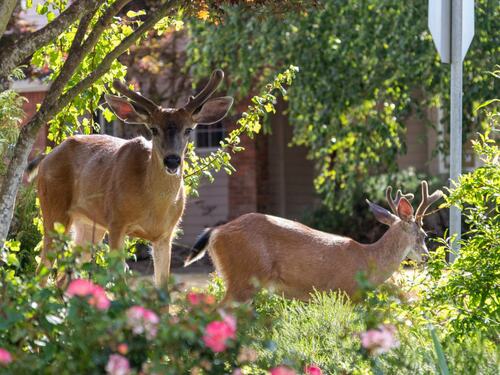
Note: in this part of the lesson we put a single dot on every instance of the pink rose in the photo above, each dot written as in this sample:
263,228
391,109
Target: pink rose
99,298
237,372
117,365
380,340
282,370
80,287
218,332
312,370
196,299
5,357
84,288
123,348
142,320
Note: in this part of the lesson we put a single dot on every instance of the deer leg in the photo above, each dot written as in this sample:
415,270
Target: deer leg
162,250
85,236
238,290
116,237
48,228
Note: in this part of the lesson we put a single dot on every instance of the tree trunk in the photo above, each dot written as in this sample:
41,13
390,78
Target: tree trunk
15,170
6,9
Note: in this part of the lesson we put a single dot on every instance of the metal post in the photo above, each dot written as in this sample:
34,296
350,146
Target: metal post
456,117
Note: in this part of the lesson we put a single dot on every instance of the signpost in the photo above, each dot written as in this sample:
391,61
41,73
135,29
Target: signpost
451,23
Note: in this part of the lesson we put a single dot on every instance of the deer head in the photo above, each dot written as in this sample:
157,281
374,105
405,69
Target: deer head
403,218
171,127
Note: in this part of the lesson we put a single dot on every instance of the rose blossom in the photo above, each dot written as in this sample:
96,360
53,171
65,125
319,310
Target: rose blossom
117,365
380,340
312,370
218,332
5,357
196,299
282,370
143,320
84,288
80,287
123,348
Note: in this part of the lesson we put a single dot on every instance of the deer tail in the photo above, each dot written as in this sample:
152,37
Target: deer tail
32,168
199,248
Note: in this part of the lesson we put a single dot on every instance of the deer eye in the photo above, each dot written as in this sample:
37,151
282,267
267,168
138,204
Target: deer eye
188,131
154,131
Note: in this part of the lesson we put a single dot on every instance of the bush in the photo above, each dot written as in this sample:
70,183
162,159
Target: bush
93,325
104,320
466,294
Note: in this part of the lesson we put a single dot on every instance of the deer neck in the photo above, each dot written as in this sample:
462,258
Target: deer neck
168,185
386,255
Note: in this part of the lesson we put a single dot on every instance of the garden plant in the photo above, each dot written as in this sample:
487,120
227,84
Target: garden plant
95,317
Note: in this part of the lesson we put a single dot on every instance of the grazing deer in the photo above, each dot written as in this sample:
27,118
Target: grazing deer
99,183
298,259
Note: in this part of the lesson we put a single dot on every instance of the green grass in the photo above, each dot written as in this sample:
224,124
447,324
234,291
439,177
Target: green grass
325,331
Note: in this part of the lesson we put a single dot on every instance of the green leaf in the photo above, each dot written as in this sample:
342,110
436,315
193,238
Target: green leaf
442,365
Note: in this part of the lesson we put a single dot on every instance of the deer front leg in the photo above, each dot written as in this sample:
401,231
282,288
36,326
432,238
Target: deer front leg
161,258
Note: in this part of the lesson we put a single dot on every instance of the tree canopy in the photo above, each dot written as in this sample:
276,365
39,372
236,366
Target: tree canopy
80,45
364,66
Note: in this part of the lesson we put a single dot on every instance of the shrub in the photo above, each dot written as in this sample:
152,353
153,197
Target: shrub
465,295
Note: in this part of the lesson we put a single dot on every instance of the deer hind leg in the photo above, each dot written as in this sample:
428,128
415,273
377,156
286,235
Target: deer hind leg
48,229
239,288
55,196
86,235
162,251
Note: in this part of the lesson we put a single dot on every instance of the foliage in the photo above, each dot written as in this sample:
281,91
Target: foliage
48,330
249,124
365,66
467,291
25,232
326,331
11,114
102,314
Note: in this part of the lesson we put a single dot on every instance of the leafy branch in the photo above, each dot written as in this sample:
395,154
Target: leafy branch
250,124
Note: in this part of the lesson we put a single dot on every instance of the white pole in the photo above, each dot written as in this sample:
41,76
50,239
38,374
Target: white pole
456,117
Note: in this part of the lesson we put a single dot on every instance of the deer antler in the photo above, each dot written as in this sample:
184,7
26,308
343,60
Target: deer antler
195,102
137,98
393,203
426,201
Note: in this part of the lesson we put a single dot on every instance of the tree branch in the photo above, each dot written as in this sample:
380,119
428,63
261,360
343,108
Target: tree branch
14,52
105,64
6,9
80,48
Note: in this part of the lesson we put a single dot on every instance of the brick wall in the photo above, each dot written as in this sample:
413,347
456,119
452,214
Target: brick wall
29,107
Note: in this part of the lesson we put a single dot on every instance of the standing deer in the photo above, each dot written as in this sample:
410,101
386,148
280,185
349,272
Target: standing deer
99,183
298,259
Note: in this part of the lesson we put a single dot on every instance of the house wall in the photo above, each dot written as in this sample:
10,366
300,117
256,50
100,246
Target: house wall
29,107
210,208
291,174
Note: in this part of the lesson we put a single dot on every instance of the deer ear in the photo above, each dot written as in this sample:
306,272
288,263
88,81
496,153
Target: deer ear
213,110
125,111
405,209
381,214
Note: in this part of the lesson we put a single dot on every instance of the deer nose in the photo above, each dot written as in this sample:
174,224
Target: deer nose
172,161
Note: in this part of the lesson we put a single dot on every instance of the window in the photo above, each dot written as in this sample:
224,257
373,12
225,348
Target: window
208,136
